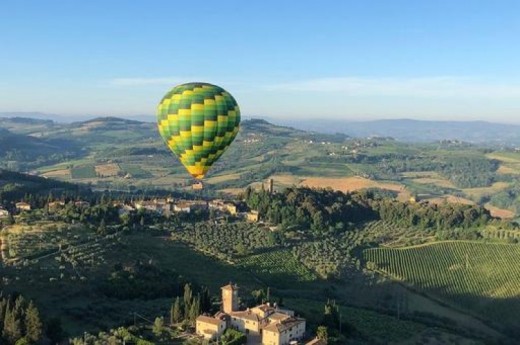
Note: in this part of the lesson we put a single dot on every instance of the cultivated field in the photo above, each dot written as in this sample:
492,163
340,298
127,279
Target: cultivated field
478,277
477,193
350,184
499,212
63,174
107,170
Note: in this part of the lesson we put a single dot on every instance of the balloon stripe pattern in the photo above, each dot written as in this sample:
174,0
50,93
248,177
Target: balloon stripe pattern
198,122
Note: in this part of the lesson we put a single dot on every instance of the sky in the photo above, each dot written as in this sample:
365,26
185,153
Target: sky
293,59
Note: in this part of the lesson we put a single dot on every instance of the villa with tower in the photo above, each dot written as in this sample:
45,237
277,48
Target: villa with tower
268,323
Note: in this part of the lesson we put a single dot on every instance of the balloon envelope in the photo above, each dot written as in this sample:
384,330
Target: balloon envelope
198,122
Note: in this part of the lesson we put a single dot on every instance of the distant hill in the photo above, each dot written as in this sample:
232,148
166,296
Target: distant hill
19,151
401,129
417,131
14,185
25,125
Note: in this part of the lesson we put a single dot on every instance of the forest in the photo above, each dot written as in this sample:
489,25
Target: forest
327,211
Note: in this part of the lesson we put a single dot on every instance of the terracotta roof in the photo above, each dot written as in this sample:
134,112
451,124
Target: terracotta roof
316,341
222,316
248,315
279,317
281,326
230,287
209,319
265,307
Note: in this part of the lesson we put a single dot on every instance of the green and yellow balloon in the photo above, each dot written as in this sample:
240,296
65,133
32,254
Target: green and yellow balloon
198,122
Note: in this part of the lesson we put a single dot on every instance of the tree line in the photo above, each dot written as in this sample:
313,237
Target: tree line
324,211
20,322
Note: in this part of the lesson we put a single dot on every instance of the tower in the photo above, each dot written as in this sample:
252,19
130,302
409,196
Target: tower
229,298
270,186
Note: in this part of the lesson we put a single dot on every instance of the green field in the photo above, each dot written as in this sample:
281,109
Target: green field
136,171
85,171
483,278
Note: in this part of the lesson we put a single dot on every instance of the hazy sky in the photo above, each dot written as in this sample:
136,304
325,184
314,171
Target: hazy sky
287,59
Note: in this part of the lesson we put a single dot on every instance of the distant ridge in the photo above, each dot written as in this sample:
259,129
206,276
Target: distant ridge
418,130
409,130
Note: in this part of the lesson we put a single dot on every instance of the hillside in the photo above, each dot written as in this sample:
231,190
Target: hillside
127,155
462,273
14,186
25,152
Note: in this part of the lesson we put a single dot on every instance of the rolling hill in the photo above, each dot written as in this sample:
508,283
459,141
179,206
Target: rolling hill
117,153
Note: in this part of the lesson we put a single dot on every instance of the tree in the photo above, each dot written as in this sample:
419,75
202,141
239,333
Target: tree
205,300
175,312
102,229
331,315
322,333
22,341
12,325
233,337
194,309
158,326
33,324
188,296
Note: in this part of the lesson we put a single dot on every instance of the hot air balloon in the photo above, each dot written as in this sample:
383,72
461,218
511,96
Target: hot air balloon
198,122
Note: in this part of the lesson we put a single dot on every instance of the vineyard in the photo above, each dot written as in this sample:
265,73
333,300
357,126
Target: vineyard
328,257
336,256
483,278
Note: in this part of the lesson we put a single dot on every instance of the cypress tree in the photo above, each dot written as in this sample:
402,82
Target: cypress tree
188,296
176,313
205,301
33,324
195,309
12,325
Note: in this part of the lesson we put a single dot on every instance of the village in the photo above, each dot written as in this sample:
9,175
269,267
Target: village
166,206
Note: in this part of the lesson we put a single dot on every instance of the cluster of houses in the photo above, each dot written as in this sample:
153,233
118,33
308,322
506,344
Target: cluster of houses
20,207
162,206
168,206
264,324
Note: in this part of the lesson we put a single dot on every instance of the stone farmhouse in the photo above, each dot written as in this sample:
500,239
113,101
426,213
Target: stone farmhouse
3,213
22,206
268,323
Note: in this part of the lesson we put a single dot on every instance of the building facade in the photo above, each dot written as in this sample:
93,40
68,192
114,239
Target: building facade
274,326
